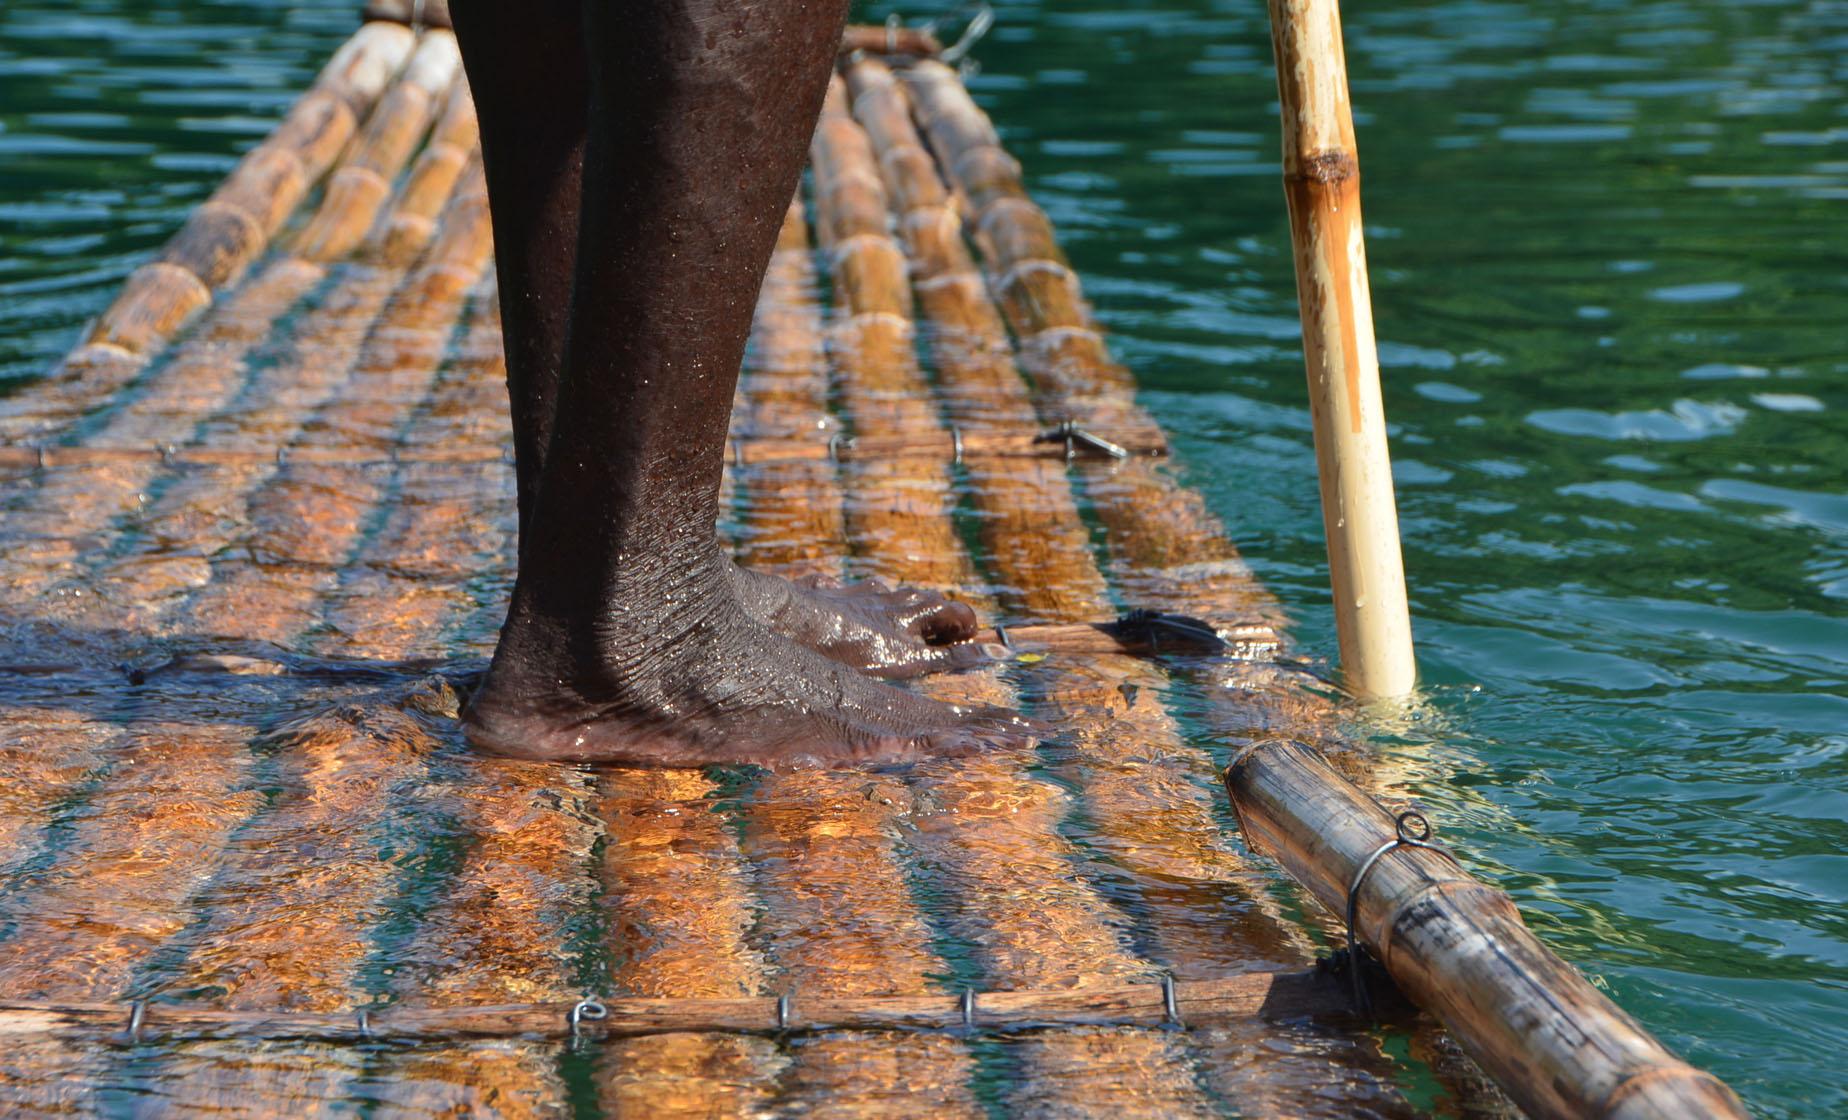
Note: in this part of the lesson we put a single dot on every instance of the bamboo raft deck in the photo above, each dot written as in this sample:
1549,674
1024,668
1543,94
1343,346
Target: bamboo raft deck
267,498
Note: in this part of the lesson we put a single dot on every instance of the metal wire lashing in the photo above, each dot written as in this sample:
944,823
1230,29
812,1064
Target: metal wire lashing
137,1015
1170,1006
1413,831
1074,437
957,443
968,1009
364,1020
588,1009
782,1012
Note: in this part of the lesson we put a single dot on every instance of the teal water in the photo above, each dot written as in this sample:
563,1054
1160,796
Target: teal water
1608,261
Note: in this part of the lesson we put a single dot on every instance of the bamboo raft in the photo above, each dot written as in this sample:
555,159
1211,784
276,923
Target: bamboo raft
257,871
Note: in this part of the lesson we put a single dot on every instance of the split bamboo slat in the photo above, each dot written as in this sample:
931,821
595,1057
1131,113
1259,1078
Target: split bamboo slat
838,915
227,232
994,835
1203,908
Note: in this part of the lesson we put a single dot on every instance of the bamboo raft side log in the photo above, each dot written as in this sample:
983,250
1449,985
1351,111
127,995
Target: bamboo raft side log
994,835
254,200
838,912
1458,948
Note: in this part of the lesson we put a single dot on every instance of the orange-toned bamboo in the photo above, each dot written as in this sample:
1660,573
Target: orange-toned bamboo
497,931
1151,818
838,915
252,203
197,837
995,838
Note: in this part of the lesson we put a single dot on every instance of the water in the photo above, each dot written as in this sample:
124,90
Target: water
1608,291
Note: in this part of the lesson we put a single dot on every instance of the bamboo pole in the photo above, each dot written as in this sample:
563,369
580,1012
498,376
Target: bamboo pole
249,207
1202,908
1322,183
838,913
499,927
994,840
1459,949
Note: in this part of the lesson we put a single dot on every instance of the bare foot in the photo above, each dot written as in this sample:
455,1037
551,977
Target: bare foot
685,679
874,627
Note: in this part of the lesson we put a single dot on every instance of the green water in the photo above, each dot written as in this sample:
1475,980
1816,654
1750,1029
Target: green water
1608,262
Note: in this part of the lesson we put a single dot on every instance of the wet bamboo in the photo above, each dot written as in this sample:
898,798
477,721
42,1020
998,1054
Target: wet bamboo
281,930
93,604
498,928
995,835
1321,175
58,514
1205,909
1271,995
165,894
838,914
943,447
1170,552
1458,948
252,203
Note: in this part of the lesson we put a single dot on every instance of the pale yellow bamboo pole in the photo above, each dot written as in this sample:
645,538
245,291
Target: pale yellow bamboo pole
1321,175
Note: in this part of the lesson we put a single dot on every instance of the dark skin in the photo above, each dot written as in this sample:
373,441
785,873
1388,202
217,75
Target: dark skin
639,158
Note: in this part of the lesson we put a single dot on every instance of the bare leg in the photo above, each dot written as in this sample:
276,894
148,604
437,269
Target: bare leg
532,84
629,637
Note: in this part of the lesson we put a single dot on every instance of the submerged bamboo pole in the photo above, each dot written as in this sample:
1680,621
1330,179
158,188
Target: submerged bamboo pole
1204,909
225,234
1322,183
994,838
838,913
1458,948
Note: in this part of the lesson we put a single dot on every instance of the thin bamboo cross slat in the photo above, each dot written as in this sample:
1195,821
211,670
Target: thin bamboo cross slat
1258,995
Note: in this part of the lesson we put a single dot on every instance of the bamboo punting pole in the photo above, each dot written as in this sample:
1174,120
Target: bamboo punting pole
1321,176
994,842
1458,948
1273,995
252,203
838,915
